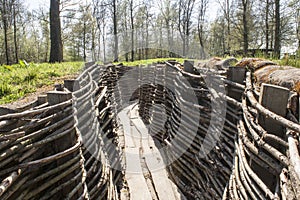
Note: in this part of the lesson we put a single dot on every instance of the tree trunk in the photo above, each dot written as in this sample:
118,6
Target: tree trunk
147,40
228,25
84,41
200,26
5,29
298,28
99,46
267,28
187,39
132,30
115,22
15,34
56,51
94,55
245,26
277,42
104,43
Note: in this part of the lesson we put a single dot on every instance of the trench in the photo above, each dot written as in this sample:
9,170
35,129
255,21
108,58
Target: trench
175,111
162,131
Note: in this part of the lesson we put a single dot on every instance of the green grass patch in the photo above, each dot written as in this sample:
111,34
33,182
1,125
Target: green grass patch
290,62
18,80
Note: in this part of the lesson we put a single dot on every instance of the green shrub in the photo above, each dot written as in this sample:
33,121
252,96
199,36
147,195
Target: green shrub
5,89
30,76
52,74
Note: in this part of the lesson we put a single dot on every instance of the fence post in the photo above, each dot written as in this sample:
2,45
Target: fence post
72,85
274,98
42,99
65,142
236,74
188,66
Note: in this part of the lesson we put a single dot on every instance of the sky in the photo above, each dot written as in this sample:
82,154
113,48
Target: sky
35,4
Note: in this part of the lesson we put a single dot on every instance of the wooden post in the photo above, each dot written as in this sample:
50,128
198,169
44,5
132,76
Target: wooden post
42,99
275,99
89,64
56,97
236,74
65,142
188,66
72,85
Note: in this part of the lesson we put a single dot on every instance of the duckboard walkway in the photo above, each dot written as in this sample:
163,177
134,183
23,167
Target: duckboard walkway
145,172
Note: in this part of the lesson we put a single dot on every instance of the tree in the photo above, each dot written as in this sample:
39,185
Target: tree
185,11
217,38
15,13
245,4
4,15
200,26
277,41
226,9
168,13
112,6
115,24
100,13
131,9
295,7
56,51
267,27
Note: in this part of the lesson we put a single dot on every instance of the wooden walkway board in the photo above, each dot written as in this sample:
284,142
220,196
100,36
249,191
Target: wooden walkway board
145,172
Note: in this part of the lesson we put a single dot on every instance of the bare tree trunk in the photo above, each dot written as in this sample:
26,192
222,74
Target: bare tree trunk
245,26
298,27
84,41
94,32
184,23
267,28
104,43
115,22
228,25
5,29
201,20
147,38
99,46
184,46
132,29
15,34
277,44
187,40
225,6
56,51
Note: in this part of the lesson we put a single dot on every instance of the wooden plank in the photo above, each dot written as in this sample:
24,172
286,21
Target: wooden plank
145,173
133,173
275,99
237,75
164,187
63,143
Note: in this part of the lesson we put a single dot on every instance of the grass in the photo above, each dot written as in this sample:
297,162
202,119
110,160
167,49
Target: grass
290,62
18,80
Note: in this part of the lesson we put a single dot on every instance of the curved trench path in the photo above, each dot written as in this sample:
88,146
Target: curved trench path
145,172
